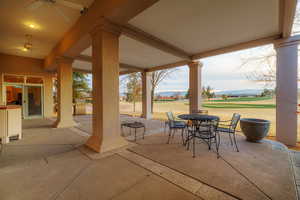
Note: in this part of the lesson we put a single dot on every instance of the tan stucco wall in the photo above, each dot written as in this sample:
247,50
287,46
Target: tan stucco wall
10,64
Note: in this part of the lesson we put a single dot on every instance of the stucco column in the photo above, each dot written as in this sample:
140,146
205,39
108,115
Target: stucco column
286,92
146,95
48,96
64,93
106,118
195,86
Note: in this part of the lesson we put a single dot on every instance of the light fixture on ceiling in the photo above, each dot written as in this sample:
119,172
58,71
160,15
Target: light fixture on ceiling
31,25
24,49
35,4
28,43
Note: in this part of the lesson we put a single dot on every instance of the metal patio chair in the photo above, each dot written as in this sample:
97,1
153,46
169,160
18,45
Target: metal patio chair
201,112
175,125
229,127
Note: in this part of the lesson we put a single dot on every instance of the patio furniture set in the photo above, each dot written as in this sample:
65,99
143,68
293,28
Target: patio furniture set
202,126
207,128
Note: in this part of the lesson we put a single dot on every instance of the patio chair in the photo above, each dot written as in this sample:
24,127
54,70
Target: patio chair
175,125
171,116
230,127
203,112
208,134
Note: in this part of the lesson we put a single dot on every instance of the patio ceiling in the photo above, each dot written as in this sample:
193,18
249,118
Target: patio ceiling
199,26
156,34
173,32
48,26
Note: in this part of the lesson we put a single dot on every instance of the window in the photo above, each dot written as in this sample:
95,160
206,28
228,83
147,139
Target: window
13,79
34,80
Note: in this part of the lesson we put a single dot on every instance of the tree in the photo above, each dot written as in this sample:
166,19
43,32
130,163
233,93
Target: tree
156,78
266,93
80,86
265,57
187,95
134,88
224,97
208,92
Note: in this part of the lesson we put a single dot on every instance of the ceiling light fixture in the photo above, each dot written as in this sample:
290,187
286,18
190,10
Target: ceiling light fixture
27,44
32,25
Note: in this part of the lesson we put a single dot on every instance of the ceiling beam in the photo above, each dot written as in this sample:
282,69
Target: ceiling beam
228,49
287,14
126,72
84,58
90,72
122,65
237,47
168,66
82,71
131,67
77,38
141,36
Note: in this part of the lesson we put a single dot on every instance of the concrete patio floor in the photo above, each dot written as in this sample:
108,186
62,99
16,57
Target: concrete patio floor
53,164
152,126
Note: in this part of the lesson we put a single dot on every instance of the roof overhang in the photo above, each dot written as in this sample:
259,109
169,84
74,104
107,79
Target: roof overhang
169,33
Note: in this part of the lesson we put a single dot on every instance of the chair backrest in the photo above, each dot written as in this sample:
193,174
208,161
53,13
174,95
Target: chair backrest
235,120
170,116
203,112
214,125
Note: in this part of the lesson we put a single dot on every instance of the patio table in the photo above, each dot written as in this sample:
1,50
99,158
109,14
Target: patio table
198,117
199,120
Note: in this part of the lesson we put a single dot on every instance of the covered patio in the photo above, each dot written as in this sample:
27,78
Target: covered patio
151,36
88,157
114,38
54,164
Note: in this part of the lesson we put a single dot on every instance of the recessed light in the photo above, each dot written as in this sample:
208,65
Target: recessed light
32,25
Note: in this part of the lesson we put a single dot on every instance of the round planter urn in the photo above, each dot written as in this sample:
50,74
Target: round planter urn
255,129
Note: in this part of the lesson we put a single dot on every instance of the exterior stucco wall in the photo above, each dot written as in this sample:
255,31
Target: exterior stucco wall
18,65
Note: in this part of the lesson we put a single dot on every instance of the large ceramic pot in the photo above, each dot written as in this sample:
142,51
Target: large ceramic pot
255,129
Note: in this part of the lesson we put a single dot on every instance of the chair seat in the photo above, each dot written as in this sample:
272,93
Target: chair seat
226,130
178,124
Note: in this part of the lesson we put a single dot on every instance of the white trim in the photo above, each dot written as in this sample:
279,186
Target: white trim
23,85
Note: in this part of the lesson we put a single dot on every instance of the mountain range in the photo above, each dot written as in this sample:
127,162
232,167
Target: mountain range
224,92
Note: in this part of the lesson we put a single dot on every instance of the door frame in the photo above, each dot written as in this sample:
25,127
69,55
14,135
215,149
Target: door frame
25,101
25,98
23,84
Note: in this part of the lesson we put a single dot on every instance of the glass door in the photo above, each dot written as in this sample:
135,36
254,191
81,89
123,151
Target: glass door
33,102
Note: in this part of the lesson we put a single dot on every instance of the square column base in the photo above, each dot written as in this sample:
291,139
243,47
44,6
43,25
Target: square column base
97,144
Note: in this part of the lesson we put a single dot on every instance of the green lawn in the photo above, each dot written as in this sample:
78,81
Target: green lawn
242,99
233,105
